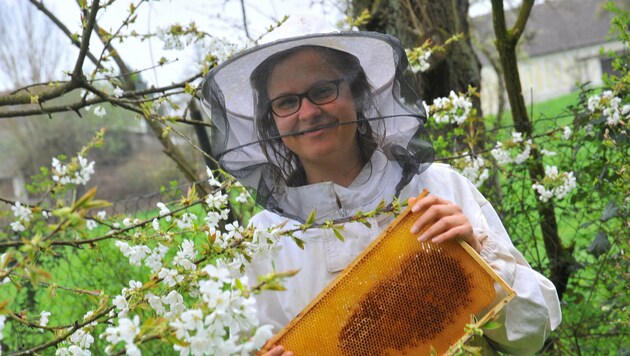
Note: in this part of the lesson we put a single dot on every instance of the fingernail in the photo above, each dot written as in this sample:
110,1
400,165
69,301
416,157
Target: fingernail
414,230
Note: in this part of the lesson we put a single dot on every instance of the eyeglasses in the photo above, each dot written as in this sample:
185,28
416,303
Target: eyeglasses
319,94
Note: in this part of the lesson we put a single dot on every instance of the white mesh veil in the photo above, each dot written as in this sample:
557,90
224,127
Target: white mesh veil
395,117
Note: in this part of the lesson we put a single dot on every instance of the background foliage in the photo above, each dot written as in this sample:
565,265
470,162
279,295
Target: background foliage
68,259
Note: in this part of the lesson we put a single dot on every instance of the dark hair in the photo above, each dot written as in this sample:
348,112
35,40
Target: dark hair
349,66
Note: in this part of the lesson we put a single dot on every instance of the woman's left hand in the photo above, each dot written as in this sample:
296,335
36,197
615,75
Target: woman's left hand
446,219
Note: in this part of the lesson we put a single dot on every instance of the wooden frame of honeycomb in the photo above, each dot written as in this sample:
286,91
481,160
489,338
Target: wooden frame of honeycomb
399,297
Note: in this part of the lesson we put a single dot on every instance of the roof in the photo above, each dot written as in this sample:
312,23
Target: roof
557,26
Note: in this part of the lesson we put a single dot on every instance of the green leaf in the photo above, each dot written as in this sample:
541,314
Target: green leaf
189,89
432,351
311,218
61,212
600,244
95,204
239,284
492,325
338,235
3,305
298,241
86,198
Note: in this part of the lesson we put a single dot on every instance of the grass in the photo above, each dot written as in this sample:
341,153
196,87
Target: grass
542,114
553,107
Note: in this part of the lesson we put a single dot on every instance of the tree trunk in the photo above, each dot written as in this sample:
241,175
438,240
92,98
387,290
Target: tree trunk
561,259
414,21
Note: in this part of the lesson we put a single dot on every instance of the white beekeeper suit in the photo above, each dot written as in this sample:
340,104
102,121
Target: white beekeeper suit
400,167
530,316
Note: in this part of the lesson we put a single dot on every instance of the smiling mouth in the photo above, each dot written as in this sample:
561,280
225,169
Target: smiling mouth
313,129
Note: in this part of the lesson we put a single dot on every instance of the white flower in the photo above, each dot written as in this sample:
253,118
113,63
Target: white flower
213,218
517,136
263,333
3,318
211,180
156,303
117,93
88,315
176,305
593,103
154,259
500,155
454,109
126,331
87,169
101,214
544,194
43,318
99,111
474,170
73,350
504,156
186,221
264,241
521,157
186,255
566,134
23,213
134,253
170,276
609,106
218,273
418,59
554,184
164,211
17,226
217,200
82,339
79,175
88,95
120,302
91,224
134,285
243,197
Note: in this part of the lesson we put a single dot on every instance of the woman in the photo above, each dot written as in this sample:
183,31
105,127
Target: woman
329,131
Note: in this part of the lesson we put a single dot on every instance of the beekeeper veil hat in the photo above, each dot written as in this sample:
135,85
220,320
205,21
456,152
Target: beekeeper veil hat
395,117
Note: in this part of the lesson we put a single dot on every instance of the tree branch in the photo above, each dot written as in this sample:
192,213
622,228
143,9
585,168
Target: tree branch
63,28
521,21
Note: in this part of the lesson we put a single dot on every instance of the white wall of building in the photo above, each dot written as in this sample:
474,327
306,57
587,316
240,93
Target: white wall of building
549,76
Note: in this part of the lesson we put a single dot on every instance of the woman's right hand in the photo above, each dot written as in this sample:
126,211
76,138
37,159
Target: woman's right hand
278,351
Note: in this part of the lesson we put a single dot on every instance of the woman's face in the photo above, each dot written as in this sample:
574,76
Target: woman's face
298,74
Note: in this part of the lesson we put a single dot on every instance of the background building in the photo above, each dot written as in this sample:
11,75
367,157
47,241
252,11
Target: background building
560,48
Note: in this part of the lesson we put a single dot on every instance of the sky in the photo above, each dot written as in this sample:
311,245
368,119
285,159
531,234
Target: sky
222,18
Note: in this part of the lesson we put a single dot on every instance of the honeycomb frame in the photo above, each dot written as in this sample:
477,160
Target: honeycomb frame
380,303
